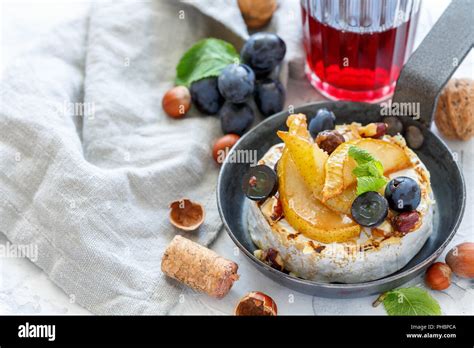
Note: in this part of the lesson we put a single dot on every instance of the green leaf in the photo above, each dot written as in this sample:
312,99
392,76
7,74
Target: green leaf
410,301
373,168
359,155
206,58
369,171
369,183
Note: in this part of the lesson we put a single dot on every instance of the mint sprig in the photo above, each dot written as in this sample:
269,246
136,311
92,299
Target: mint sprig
409,301
206,58
369,171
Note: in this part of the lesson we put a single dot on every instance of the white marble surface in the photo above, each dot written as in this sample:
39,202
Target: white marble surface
25,289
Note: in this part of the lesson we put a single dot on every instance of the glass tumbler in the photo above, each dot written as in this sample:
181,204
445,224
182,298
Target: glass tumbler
355,49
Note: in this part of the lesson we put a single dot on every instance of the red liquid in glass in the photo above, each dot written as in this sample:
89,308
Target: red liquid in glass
352,65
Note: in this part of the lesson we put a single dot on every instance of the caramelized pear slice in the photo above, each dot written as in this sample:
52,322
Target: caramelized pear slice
339,166
307,214
307,156
309,160
342,203
297,125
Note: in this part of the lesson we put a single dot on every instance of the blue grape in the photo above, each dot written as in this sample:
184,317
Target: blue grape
205,96
269,96
236,83
236,118
263,52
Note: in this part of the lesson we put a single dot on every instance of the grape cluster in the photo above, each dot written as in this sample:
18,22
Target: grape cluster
229,95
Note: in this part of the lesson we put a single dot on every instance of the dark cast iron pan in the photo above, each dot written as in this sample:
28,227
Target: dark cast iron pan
420,81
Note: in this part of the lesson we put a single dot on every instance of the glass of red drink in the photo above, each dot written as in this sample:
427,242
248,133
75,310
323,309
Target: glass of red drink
355,49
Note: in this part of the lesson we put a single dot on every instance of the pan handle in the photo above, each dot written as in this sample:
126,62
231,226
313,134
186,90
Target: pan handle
436,59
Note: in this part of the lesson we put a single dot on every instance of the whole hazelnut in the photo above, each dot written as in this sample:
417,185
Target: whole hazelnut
414,137
256,303
177,101
394,125
438,276
222,146
461,260
329,140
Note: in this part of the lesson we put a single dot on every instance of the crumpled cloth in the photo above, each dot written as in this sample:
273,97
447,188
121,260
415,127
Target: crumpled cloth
89,162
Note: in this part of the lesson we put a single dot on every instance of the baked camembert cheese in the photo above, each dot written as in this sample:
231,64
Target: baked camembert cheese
309,222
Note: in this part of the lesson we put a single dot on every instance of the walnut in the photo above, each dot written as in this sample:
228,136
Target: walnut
455,111
257,13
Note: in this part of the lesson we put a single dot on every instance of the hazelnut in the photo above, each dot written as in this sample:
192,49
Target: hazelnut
373,130
258,13
461,260
394,125
177,101
438,276
406,221
256,303
186,214
414,137
222,146
329,140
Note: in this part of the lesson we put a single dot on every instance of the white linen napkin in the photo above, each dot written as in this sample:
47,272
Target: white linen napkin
89,162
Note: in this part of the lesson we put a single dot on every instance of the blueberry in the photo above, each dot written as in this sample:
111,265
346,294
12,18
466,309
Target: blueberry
369,209
205,96
236,118
324,120
263,52
269,96
403,194
236,83
260,182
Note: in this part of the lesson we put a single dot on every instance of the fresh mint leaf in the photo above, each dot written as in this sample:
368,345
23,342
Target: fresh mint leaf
373,168
369,171
410,301
206,58
360,156
369,183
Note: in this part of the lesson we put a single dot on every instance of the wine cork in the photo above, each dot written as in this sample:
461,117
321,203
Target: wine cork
199,267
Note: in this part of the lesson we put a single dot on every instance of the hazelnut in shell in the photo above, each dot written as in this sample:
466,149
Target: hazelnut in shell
256,303
438,276
186,214
177,101
461,260
222,146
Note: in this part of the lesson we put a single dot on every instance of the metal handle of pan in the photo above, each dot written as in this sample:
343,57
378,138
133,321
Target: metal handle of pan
435,60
